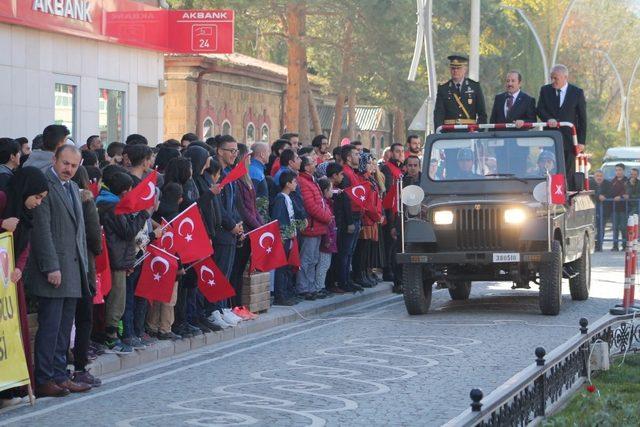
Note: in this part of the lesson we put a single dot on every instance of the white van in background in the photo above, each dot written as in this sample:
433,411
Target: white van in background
628,156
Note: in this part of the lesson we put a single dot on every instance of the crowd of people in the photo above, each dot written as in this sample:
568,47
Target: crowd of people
59,199
615,201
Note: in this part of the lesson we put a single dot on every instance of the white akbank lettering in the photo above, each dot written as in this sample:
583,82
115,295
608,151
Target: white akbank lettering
79,10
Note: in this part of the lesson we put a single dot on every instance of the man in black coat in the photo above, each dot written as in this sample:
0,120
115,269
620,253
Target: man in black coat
564,102
513,105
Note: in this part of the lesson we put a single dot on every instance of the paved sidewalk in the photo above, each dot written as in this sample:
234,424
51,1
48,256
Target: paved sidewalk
276,316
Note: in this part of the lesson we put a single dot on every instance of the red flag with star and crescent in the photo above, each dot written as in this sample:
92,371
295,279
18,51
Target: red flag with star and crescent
359,194
167,240
158,275
213,284
267,250
190,238
141,197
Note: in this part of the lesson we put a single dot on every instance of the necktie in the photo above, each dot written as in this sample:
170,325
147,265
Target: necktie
67,186
558,91
458,87
509,103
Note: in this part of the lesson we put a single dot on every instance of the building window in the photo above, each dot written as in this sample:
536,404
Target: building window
208,128
373,143
226,128
265,133
111,115
251,133
65,106
382,142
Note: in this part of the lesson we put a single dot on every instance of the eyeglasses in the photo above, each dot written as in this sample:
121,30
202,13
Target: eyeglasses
230,150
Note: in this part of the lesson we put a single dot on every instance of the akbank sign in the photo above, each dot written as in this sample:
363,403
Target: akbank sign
73,9
127,22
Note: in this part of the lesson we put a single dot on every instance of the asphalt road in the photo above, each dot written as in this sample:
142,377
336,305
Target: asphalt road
370,364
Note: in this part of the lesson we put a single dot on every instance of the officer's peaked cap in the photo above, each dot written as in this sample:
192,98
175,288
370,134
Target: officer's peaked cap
457,61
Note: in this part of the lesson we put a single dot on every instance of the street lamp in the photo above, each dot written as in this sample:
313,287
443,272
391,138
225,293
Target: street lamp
424,40
556,45
543,54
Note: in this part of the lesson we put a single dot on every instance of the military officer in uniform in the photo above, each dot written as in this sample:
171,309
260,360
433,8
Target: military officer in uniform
460,100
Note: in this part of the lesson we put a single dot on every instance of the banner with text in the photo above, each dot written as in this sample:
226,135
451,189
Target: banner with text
13,364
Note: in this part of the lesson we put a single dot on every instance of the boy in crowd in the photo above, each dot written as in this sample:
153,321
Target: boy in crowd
120,232
283,211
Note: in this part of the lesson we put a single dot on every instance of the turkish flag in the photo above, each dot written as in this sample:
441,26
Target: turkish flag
294,255
190,238
141,197
237,172
358,194
167,241
212,282
158,275
267,250
103,268
558,189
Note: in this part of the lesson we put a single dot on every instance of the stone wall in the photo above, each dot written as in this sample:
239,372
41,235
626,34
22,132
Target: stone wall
230,97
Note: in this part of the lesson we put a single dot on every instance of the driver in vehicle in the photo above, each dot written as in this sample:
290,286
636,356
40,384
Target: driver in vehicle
546,162
465,165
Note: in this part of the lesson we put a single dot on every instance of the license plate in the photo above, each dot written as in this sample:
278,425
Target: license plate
506,257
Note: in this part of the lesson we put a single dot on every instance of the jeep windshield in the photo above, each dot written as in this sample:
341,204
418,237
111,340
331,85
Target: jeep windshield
508,158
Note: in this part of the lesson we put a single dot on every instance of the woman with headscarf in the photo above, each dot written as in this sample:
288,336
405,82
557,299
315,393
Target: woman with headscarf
25,192
200,161
369,231
246,205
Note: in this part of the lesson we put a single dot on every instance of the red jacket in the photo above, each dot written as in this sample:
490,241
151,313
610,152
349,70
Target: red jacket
353,179
318,211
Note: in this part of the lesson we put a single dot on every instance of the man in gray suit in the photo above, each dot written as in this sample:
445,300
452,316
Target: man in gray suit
56,273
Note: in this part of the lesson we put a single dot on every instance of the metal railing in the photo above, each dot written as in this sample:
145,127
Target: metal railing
612,217
532,392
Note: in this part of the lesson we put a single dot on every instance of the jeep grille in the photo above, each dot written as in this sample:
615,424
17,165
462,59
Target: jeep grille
478,229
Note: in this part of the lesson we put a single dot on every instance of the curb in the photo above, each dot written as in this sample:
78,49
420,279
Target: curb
277,316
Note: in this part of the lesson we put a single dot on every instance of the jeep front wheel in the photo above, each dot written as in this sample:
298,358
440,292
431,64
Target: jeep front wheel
580,284
550,296
460,291
417,289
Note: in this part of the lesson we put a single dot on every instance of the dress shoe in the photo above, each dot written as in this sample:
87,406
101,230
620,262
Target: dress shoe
86,378
75,387
51,389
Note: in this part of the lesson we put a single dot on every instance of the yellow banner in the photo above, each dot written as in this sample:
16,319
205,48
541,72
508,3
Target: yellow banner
13,364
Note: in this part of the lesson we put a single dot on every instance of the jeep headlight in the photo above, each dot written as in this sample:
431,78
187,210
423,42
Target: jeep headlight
515,216
443,217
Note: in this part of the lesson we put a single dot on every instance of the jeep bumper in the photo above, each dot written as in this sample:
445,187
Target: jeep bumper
473,258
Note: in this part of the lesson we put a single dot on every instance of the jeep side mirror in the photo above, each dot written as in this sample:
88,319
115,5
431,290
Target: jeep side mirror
578,181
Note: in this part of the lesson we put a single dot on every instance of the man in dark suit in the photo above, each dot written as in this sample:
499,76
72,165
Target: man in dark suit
564,102
513,105
56,273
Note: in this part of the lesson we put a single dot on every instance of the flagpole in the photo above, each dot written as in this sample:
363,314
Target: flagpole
548,211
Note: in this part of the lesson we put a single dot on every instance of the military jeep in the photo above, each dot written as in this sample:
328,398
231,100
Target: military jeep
483,213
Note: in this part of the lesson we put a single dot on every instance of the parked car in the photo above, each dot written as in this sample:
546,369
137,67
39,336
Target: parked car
628,156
